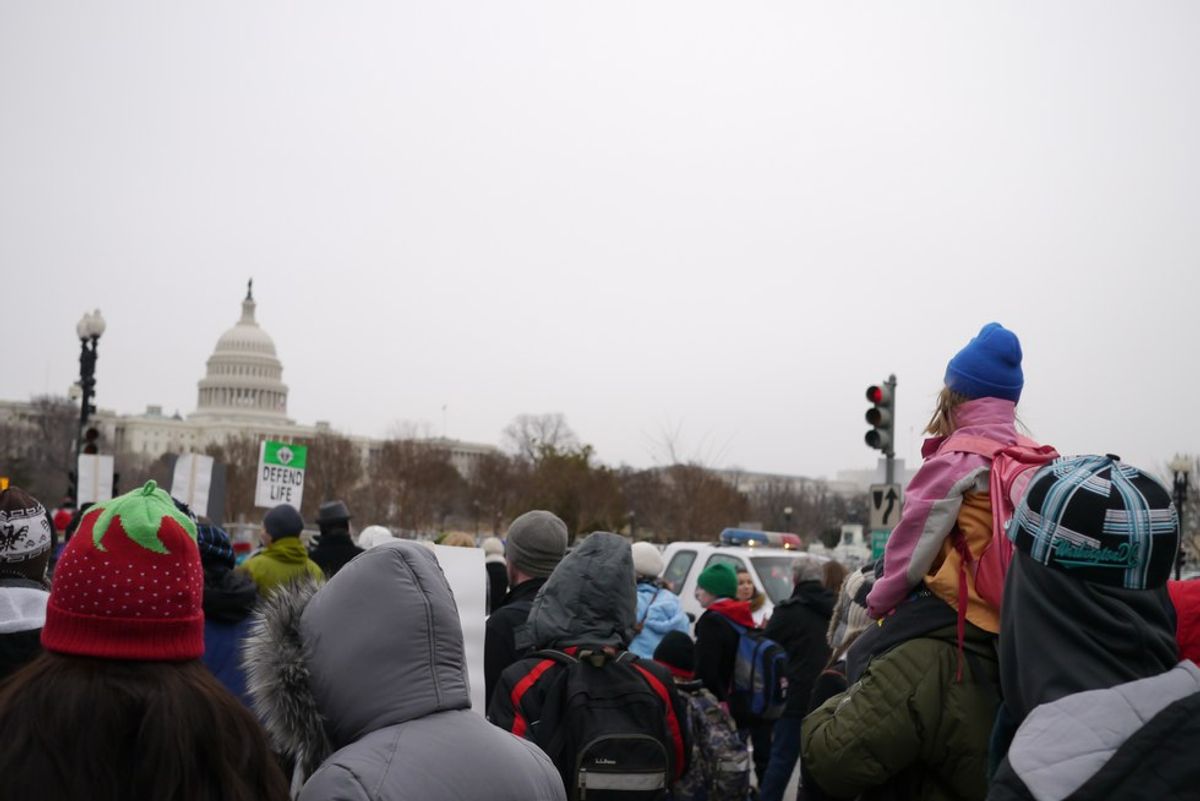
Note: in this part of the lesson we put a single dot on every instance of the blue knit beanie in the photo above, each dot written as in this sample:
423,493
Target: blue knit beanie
215,547
989,366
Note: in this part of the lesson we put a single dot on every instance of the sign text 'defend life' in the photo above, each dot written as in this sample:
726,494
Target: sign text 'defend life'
281,468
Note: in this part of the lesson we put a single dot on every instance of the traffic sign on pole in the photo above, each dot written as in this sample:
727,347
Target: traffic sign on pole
280,474
885,501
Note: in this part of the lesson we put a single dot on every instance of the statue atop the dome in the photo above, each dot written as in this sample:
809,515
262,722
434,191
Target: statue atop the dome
250,289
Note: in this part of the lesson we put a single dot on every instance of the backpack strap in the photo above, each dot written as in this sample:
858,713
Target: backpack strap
641,624
673,727
742,631
738,627
550,657
964,563
549,660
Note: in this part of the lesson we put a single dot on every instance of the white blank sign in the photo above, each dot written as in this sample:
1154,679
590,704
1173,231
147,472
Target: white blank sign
95,478
468,581
192,480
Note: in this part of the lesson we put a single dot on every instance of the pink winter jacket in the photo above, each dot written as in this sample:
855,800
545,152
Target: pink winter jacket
934,497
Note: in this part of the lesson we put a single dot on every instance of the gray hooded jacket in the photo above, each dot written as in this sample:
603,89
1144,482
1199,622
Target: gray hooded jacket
363,682
591,598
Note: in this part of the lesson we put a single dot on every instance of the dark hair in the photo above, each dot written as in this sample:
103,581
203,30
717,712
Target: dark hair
834,574
107,730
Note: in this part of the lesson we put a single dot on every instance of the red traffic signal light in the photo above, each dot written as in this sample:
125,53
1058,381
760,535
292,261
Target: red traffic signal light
880,417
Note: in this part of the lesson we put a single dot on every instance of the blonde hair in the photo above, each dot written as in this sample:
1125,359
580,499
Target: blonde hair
942,423
459,539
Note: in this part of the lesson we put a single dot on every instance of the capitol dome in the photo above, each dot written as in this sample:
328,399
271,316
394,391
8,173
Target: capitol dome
244,378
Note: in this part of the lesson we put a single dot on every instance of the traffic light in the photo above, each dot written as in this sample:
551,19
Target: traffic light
91,440
881,417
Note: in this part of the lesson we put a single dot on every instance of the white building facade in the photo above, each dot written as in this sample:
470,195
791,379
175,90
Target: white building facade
241,394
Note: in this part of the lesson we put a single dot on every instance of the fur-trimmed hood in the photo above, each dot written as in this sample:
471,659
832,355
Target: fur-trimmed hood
378,645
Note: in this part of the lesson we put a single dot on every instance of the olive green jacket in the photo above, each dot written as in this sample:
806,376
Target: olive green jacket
907,729
282,562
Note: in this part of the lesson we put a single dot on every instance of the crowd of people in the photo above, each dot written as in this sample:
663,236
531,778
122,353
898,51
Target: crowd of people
1019,639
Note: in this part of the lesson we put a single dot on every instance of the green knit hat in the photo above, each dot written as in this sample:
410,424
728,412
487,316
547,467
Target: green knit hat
720,580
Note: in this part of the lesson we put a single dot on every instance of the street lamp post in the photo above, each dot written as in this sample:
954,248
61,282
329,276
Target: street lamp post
1180,466
89,329
787,519
632,516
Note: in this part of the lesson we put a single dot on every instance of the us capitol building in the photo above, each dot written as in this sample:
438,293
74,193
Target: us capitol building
242,393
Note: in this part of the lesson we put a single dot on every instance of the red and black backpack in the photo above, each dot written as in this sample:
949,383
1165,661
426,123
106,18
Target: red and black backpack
607,722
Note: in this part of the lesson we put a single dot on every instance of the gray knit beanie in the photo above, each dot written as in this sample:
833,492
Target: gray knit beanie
850,617
536,543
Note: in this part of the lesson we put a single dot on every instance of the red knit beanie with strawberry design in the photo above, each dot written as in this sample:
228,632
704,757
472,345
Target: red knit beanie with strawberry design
129,584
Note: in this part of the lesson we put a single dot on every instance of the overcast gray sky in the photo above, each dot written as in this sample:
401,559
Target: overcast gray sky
724,219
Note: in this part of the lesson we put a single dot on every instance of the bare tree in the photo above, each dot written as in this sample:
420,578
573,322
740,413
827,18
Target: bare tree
372,499
37,449
670,448
239,454
334,468
493,489
699,503
645,495
769,501
565,481
19,460
817,513
135,469
528,434
422,481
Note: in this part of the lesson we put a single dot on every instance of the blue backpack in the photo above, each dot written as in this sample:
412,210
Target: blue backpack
760,674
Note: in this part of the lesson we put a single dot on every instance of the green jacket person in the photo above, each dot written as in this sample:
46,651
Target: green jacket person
917,721
284,559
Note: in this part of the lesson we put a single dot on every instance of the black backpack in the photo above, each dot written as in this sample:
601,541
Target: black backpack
609,727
